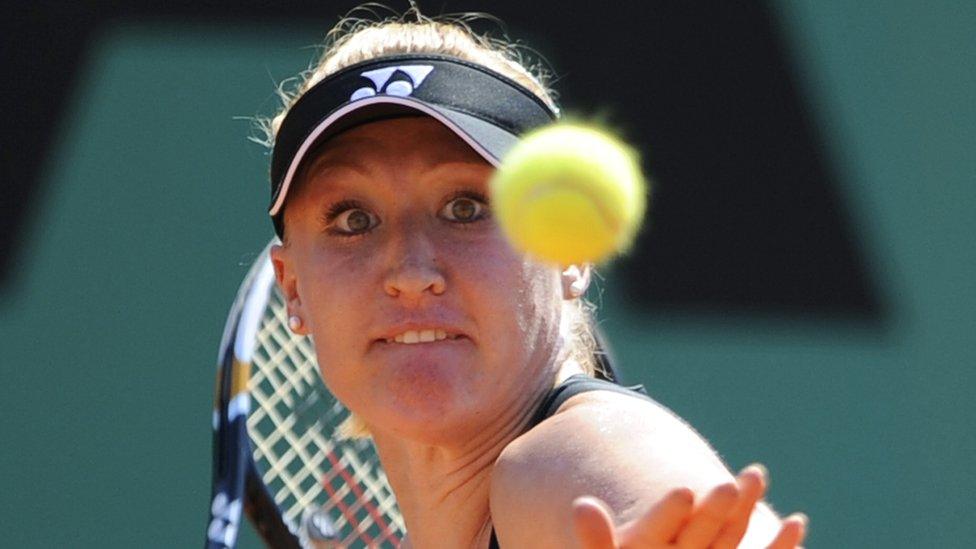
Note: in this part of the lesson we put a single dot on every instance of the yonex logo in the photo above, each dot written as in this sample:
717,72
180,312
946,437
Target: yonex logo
226,520
383,81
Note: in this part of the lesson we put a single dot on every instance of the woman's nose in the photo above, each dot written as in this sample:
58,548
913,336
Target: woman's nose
414,270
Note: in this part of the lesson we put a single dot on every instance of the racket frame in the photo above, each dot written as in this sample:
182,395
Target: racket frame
237,488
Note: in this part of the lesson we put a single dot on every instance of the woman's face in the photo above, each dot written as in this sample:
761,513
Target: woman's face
390,239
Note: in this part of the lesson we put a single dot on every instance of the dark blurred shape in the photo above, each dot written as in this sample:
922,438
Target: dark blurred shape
40,51
746,214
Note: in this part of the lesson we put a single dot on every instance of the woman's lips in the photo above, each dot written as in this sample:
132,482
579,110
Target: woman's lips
411,337
425,351
418,333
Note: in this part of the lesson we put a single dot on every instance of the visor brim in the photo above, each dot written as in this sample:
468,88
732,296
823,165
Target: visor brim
487,139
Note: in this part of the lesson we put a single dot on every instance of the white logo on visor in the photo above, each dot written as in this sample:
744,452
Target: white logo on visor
383,81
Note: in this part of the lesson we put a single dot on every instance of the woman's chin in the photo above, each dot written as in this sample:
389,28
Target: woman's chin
425,373
427,401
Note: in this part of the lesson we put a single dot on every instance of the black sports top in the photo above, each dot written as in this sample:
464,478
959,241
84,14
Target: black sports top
571,387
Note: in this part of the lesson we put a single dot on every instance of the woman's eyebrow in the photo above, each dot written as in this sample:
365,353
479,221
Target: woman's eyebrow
323,165
460,169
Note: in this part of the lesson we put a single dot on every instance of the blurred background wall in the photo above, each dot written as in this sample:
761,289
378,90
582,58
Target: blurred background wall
803,294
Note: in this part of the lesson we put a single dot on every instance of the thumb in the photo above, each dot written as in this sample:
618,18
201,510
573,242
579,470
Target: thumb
593,524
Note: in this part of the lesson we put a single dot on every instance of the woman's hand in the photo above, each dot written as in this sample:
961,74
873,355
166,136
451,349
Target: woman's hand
718,521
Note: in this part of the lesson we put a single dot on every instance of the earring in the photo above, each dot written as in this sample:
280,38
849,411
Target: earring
577,288
294,322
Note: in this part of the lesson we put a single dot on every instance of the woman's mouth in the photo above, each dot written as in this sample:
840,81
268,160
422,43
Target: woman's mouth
412,337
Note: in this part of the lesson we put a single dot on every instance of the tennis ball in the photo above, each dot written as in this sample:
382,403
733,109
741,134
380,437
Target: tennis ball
569,193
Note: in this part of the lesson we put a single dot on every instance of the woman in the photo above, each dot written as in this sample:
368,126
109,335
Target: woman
466,361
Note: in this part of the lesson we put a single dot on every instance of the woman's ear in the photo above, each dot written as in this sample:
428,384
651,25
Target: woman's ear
289,288
575,280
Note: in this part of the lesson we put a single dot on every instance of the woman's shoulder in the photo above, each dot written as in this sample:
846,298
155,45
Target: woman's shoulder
628,451
608,432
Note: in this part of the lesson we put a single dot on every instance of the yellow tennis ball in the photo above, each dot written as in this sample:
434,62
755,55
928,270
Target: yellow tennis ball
569,193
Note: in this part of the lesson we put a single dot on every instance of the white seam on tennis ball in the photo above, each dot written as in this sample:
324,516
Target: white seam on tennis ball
564,185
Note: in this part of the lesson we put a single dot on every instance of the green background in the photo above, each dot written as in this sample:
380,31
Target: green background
154,206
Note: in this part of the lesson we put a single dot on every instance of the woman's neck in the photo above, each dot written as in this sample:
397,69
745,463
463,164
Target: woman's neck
443,491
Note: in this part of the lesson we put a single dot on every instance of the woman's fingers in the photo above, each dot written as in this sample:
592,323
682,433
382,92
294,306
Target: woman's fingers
720,521
661,523
709,518
593,524
792,532
752,482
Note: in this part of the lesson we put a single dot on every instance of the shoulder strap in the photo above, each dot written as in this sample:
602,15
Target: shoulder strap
577,384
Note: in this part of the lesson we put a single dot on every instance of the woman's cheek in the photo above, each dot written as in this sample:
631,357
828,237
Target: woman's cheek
332,288
490,250
515,285
346,265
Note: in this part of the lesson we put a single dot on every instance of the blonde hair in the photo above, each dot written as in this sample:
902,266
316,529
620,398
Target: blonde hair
358,38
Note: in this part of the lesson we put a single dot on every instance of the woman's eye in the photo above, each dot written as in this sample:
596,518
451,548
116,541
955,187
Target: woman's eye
464,210
354,221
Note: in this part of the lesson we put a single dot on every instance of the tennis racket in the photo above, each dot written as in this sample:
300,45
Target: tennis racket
278,458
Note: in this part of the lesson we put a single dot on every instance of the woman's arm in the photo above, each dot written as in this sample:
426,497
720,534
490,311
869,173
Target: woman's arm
627,452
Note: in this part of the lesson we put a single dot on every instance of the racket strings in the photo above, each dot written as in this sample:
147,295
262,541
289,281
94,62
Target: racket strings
293,434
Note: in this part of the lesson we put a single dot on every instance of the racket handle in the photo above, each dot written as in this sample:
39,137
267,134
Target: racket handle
265,517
